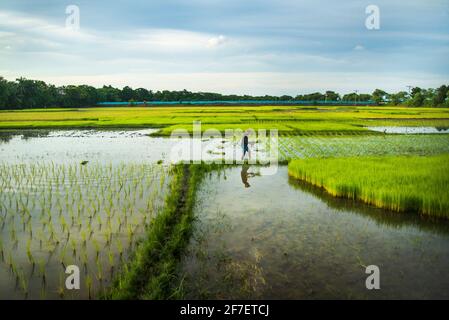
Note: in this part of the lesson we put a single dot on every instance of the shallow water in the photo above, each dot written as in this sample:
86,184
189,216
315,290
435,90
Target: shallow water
91,216
116,146
80,197
274,238
409,130
279,239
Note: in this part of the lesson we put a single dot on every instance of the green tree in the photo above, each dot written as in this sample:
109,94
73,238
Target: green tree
379,96
417,97
440,96
332,96
5,91
398,98
127,93
142,94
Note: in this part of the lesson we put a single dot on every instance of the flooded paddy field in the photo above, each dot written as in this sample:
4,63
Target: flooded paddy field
410,130
271,237
113,146
91,216
86,197
293,147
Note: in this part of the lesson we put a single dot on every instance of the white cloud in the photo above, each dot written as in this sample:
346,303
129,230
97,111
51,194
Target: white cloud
216,41
32,26
169,40
255,51
39,33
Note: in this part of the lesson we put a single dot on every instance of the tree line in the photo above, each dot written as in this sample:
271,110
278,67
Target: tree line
25,93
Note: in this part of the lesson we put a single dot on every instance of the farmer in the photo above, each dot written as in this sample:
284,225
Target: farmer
245,145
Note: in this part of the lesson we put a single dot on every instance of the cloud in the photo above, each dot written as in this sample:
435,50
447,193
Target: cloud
29,25
215,44
216,41
168,40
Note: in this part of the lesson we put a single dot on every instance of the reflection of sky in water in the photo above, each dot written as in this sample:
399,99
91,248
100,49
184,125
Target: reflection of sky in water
67,146
278,239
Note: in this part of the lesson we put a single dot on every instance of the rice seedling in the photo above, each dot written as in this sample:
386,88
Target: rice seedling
85,260
99,272
416,183
67,206
61,290
30,256
2,252
111,260
108,236
63,223
23,283
97,249
120,248
99,222
62,255
11,263
90,231
89,286
295,147
13,233
84,238
74,246
130,232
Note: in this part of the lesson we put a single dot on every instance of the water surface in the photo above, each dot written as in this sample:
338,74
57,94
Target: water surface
261,236
116,146
410,130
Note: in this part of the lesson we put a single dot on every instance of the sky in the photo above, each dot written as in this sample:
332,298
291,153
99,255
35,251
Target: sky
233,46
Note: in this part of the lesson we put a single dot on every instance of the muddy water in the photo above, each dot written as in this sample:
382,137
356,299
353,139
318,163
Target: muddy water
268,236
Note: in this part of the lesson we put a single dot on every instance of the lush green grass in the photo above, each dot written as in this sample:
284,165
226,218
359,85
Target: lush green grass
419,184
287,119
151,273
300,147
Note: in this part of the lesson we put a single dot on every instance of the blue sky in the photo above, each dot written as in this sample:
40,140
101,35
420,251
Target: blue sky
245,47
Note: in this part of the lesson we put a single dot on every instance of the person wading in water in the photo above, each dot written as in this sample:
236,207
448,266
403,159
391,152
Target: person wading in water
245,146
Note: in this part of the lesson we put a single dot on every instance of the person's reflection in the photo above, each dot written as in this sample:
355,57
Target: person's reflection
245,175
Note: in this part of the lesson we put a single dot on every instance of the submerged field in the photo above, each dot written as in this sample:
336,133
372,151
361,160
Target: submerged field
301,147
283,239
417,184
287,119
53,216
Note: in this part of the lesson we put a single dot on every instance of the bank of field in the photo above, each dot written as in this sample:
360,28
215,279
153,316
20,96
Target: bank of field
402,184
287,119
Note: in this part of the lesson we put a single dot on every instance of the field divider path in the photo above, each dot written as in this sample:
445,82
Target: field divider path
151,272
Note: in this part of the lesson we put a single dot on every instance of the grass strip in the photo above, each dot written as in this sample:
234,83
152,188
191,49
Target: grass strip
151,272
